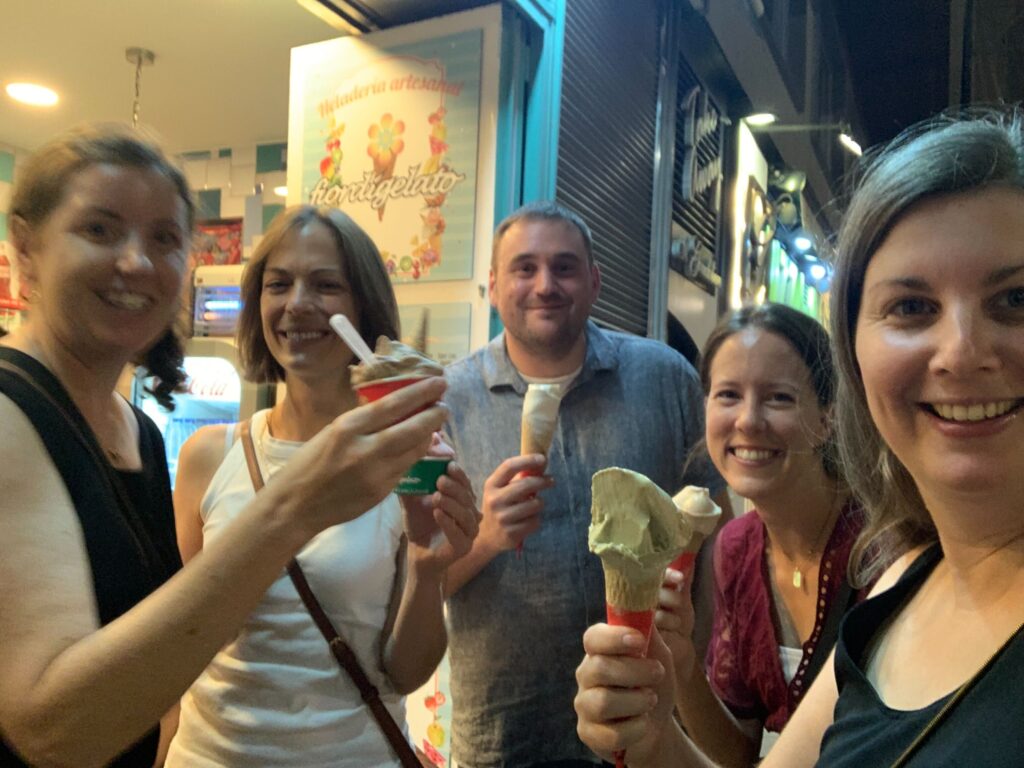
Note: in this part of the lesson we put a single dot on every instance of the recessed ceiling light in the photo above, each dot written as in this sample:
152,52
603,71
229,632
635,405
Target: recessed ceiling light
32,94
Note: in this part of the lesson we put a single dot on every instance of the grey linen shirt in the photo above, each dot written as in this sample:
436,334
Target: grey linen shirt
516,629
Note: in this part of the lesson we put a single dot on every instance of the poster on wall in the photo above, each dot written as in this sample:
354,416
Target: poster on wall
10,295
390,136
439,330
217,241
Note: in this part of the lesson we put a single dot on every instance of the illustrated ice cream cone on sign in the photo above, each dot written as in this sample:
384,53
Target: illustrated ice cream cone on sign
702,514
540,416
637,530
385,146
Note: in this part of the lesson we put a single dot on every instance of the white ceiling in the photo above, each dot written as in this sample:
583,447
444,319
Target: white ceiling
220,78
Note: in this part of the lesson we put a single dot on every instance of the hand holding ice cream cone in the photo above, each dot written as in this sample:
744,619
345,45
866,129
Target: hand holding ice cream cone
510,505
637,530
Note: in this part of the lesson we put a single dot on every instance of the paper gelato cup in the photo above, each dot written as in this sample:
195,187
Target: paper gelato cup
375,390
422,477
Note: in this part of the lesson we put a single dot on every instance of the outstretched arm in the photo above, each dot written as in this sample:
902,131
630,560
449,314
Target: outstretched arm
72,692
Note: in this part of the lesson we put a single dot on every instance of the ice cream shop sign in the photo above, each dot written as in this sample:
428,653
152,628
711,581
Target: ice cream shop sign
375,190
389,135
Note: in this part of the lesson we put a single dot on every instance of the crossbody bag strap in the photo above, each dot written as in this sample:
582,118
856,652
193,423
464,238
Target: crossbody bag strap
339,648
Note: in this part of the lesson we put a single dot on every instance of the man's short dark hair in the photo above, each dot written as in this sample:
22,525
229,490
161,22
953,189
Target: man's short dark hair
544,210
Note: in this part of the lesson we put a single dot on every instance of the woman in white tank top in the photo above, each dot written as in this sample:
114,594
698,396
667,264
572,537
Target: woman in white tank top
275,696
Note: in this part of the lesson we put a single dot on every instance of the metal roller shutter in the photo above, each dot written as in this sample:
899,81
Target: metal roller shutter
606,145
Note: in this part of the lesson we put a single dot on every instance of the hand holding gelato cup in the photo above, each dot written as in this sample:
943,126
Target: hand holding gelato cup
396,365
702,514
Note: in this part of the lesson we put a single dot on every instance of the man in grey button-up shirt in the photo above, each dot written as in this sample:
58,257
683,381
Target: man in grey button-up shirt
516,622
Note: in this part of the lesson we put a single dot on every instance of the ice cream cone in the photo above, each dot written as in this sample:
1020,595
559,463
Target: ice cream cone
384,171
540,415
702,514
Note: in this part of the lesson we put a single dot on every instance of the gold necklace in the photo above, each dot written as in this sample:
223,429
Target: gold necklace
798,575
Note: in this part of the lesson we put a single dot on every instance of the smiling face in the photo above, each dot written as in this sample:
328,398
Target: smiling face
543,286
764,423
108,262
304,283
940,341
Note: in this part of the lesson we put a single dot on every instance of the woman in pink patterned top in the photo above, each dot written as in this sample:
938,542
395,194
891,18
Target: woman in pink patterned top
780,570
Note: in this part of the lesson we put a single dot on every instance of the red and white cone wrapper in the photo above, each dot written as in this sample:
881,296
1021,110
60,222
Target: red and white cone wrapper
540,415
642,621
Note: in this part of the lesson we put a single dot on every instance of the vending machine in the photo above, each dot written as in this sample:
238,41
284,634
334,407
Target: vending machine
216,390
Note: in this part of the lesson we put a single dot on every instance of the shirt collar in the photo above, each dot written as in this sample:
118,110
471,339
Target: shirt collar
498,370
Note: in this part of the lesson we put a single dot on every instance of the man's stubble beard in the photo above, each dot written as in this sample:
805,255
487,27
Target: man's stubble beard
548,346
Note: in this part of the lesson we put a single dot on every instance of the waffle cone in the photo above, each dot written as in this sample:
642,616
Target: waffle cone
534,443
636,591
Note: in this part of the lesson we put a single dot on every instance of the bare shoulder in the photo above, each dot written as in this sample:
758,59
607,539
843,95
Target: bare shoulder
203,452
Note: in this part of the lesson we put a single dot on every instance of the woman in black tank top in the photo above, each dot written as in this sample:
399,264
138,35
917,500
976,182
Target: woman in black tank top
101,632
928,328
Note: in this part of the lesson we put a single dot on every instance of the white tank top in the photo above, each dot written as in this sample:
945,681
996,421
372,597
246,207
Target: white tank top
275,696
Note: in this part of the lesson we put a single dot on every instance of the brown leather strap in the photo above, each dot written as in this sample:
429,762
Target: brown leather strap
341,650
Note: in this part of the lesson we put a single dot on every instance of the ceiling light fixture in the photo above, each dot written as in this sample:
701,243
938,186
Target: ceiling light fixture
140,57
843,129
281,191
760,119
32,94
850,144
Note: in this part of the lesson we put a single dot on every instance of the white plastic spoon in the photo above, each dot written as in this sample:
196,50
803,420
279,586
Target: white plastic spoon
344,328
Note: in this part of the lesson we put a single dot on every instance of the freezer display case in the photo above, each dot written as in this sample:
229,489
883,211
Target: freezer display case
216,391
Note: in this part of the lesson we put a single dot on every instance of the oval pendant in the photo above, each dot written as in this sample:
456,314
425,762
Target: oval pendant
798,578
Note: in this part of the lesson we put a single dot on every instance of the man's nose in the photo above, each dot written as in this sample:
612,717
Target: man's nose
546,282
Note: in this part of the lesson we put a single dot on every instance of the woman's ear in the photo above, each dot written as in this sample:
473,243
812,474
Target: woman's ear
21,239
825,426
